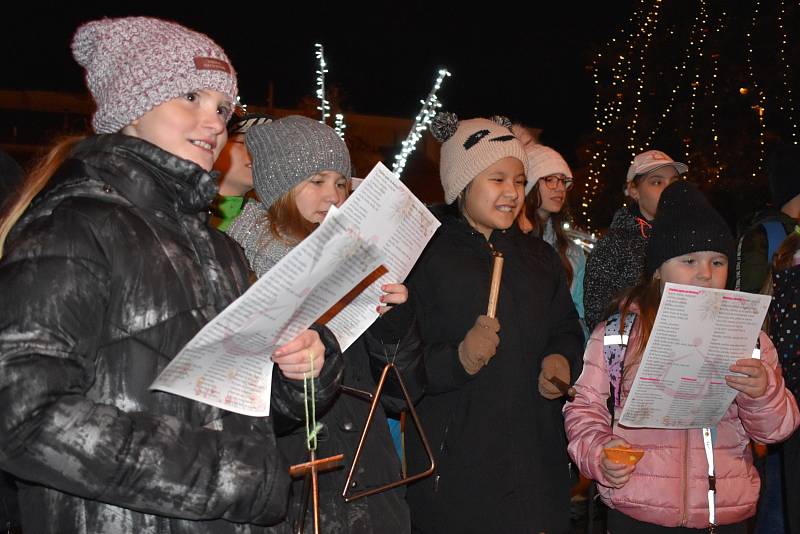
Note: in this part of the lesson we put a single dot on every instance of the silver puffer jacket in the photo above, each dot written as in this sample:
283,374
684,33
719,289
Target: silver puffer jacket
111,271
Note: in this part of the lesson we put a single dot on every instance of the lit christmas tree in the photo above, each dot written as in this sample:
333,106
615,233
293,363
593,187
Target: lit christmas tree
709,82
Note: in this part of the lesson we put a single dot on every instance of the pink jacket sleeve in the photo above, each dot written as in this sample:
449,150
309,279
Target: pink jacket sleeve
772,417
586,419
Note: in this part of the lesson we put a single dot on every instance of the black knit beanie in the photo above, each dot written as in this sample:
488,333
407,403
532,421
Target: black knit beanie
685,222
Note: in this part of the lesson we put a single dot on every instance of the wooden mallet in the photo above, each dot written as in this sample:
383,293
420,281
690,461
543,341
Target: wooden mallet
494,289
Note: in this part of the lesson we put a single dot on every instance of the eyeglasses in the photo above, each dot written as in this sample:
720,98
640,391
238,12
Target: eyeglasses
552,182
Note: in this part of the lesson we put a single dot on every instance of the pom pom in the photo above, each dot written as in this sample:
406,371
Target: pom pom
444,125
501,120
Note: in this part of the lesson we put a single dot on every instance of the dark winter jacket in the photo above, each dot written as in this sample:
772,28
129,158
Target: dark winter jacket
616,262
393,337
386,512
502,463
752,251
111,271
783,324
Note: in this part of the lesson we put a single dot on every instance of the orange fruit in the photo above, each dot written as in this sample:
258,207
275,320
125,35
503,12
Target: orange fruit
623,455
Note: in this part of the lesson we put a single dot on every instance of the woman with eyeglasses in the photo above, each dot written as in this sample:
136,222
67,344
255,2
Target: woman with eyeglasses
549,180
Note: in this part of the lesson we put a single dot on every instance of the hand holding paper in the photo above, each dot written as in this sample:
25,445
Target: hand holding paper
395,294
295,358
754,383
228,365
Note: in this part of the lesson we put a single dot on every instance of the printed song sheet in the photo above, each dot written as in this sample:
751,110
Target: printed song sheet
698,334
228,363
390,217
333,277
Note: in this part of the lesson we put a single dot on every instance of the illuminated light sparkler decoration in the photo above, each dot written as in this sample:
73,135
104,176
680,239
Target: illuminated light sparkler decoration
339,124
324,105
421,122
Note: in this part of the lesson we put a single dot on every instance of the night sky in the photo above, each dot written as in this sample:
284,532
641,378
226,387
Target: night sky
527,63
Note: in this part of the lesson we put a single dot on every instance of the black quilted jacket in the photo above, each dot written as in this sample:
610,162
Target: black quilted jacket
111,271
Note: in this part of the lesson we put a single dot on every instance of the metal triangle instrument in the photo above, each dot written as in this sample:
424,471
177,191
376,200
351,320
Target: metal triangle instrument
376,397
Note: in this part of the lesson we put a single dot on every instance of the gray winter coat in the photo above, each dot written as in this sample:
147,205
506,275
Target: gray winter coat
616,263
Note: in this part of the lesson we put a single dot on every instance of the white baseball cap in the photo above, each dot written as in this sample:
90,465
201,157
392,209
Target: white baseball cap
652,160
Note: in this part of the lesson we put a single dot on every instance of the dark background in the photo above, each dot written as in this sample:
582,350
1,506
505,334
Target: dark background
526,61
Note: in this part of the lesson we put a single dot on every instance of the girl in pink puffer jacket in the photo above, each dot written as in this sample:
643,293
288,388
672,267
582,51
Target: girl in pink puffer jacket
667,491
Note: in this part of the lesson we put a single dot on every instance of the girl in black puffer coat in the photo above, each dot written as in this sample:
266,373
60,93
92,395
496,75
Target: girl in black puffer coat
109,272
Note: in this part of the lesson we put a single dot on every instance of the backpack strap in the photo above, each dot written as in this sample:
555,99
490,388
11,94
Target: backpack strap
776,233
615,343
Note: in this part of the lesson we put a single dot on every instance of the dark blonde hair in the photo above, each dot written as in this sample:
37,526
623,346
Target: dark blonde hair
34,182
285,220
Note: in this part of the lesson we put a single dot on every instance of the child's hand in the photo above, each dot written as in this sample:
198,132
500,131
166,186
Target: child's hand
755,383
479,344
616,474
553,365
395,294
294,358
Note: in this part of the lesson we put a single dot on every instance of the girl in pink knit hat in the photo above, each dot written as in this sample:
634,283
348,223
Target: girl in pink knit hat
113,269
545,213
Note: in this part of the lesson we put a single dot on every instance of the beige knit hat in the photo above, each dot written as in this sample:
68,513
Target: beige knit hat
544,161
133,64
470,147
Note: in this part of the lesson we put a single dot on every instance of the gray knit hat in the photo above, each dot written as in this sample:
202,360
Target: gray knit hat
287,151
469,147
133,64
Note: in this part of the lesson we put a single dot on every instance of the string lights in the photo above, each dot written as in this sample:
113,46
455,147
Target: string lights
648,29
620,71
421,122
720,26
644,94
339,125
786,71
759,106
702,21
324,105
681,73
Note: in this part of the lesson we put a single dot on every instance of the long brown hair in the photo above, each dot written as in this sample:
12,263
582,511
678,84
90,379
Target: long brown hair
533,201
35,181
646,297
